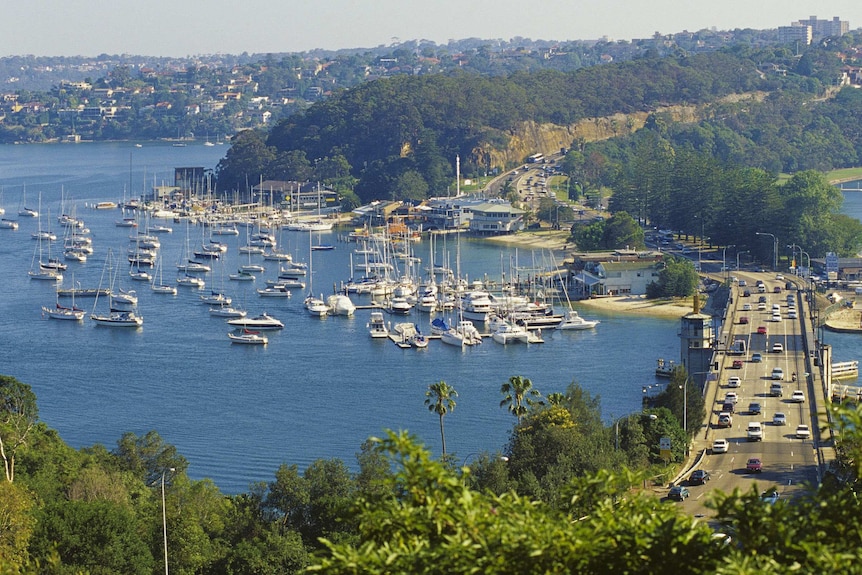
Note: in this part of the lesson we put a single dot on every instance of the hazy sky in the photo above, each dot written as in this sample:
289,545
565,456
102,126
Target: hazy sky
189,27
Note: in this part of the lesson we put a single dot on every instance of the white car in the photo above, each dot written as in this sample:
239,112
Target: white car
777,347
802,431
779,277
798,396
734,382
731,397
777,374
792,315
720,446
779,419
746,307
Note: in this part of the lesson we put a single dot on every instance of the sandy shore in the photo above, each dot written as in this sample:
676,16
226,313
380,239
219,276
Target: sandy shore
640,305
555,240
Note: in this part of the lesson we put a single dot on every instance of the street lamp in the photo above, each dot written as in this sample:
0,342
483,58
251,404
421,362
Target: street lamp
724,259
737,258
774,248
164,517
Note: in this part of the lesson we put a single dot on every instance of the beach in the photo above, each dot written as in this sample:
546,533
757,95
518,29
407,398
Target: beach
640,305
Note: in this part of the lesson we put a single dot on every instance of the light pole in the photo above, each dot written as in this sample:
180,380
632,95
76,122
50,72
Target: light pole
774,248
724,260
164,517
737,258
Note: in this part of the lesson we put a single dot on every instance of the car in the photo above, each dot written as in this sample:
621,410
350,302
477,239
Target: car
754,431
743,319
728,407
776,317
771,497
761,288
779,276
761,306
777,347
720,446
776,289
678,493
734,382
802,431
761,329
792,315
731,397
756,358
754,465
737,364
742,283
761,299
698,477
775,390
746,307
797,396
778,418
754,408
777,374
725,419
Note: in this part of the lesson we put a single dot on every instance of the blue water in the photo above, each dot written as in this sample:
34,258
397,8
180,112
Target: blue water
318,390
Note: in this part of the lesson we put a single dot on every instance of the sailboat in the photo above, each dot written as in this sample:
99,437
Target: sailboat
119,316
571,319
62,312
44,271
161,287
26,212
314,306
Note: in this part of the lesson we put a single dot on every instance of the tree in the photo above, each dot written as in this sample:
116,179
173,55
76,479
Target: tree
18,416
148,456
440,400
519,395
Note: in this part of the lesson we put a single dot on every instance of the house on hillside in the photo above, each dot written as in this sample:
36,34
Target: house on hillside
621,272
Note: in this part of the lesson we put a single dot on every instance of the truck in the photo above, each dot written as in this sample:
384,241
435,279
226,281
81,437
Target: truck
737,347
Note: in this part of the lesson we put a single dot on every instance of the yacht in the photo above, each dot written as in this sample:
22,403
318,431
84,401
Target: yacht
377,325
262,321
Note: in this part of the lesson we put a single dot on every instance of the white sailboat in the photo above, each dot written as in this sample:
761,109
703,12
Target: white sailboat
158,285
26,212
117,316
39,268
313,305
64,312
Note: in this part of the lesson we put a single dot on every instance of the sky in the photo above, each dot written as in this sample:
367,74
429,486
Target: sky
183,28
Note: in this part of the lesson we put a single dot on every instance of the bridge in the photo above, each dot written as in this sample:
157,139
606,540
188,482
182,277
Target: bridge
781,347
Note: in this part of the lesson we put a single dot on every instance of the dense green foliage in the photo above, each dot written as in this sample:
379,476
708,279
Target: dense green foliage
620,231
678,278
548,503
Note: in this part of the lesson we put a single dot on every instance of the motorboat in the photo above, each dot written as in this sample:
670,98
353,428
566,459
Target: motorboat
273,291
316,306
377,325
410,335
571,320
260,322
226,310
249,337
191,281
476,306
340,304
192,266
399,305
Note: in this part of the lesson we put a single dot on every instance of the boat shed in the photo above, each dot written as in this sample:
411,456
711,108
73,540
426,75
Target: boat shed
497,218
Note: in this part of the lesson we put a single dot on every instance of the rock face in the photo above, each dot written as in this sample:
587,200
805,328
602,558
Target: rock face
532,137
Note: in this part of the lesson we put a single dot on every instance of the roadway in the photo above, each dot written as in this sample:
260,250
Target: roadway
788,462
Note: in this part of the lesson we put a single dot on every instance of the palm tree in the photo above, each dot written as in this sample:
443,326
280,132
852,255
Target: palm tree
519,396
440,399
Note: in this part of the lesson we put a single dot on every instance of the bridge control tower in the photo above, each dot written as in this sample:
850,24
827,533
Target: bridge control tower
697,343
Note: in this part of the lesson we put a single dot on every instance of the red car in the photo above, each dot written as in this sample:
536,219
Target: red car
761,329
743,319
737,364
754,465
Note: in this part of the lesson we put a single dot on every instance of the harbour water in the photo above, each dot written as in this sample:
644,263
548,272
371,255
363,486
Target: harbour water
318,390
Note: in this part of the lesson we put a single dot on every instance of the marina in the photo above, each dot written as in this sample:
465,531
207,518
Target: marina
237,412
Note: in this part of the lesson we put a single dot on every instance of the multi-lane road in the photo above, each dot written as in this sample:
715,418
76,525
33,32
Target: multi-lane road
777,335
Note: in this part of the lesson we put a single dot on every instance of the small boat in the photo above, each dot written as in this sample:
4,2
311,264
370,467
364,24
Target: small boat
82,292
323,247
8,224
127,223
262,321
251,268
193,267
274,255
399,306
140,276
410,335
506,333
247,336
377,325
106,205
286,282
251,249
571,320
163,289
28,213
